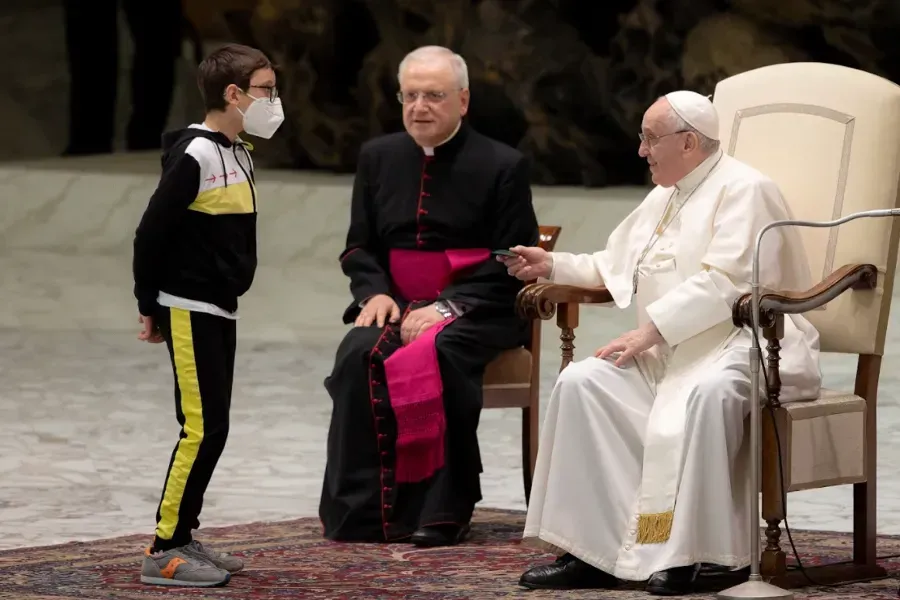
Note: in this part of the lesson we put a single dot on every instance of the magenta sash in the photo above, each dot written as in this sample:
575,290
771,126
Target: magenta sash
412,374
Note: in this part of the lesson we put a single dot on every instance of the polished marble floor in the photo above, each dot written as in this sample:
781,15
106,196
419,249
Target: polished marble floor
84,442
86,411
86,428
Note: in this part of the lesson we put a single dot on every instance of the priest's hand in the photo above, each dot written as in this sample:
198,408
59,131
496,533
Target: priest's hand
630,344
378,309
529,263
418,322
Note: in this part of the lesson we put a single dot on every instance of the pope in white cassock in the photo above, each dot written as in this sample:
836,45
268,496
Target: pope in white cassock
643,465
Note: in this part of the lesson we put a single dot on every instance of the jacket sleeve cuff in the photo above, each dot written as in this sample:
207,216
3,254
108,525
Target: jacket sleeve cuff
693,306
147,304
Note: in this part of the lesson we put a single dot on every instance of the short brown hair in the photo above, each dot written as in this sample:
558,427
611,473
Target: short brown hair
231,63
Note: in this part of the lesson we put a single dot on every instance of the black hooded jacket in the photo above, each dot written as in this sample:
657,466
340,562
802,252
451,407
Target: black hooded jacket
197,238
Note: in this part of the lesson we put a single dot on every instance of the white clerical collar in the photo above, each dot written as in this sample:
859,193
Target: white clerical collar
429,151
693,179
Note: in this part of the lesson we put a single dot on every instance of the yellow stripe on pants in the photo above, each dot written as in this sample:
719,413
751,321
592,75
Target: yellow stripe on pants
192,409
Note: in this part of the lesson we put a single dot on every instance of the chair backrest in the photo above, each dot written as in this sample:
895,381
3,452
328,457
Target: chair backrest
548,236
829,136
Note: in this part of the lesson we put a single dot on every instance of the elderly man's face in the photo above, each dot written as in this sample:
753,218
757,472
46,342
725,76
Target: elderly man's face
669,152
433,102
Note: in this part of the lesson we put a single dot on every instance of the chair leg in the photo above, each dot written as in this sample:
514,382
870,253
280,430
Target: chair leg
864,566
773,560
529,449
864,499
864,532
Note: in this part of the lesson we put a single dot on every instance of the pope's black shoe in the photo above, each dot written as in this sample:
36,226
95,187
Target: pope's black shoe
447,534
567,573
677,581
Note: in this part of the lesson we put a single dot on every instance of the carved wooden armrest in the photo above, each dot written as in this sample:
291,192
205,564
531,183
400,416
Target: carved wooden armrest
539,300
855,277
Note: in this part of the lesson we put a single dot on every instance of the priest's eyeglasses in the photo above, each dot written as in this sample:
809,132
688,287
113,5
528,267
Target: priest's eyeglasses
428,97
651,140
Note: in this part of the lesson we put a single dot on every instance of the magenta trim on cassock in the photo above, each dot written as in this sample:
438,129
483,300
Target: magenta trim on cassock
412,373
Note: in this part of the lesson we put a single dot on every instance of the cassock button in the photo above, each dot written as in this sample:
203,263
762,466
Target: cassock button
387,507
384,453
422,211
385,489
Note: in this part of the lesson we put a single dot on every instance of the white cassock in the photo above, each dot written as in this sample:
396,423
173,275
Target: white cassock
645,467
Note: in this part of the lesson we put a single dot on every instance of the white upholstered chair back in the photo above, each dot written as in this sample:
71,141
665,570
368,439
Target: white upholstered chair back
829,136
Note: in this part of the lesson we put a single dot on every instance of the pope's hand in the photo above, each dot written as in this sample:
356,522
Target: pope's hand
630,344
378,309
529,263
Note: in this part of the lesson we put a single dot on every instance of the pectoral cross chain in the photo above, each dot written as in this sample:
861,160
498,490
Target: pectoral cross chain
664,221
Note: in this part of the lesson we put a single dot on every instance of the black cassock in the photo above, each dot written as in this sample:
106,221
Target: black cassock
473,192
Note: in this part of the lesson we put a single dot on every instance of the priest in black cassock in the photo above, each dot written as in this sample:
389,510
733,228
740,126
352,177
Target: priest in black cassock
431,308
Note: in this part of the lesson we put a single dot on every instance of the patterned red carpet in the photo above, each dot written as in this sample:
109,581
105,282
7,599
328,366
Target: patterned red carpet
291,560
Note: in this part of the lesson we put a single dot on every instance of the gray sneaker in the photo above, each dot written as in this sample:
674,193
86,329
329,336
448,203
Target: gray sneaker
181,567
230,563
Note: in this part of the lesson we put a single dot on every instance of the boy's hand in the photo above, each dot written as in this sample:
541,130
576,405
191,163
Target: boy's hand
149,333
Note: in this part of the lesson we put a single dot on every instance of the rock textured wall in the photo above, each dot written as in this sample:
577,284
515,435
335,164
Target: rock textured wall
566,81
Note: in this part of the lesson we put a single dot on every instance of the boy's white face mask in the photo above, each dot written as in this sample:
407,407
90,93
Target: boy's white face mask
263,117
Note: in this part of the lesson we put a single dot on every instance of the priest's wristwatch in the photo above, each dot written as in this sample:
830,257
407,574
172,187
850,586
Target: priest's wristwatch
443,308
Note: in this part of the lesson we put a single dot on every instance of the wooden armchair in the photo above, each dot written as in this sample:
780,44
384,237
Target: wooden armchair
828,136
513,380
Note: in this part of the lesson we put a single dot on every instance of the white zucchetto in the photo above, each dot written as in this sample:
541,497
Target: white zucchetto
698,111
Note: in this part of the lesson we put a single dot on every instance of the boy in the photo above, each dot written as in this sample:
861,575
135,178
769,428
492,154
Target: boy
194,255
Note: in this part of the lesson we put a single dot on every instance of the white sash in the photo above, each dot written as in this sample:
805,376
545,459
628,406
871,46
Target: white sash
664,437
